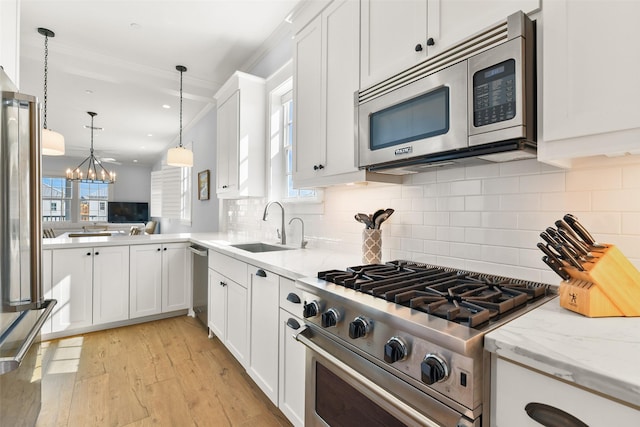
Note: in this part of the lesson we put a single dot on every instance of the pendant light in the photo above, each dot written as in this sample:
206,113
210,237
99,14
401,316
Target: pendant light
93,174
180,156
52,142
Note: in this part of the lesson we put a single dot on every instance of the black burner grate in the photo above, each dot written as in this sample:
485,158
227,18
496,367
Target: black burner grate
460,296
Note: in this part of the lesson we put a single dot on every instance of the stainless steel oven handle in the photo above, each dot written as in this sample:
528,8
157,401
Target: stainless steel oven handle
379,391
8,364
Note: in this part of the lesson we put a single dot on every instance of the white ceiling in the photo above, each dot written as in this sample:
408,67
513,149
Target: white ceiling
118,58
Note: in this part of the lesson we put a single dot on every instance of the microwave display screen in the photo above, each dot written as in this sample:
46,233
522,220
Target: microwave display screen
421,117
494,94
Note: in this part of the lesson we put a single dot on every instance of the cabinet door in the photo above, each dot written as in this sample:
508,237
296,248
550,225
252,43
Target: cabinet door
110,284
217,314
227,144
145,292
263,366
591,88
308,123
176,275
291,370
72,277
390,32
341,47
237,322
509,399
452,21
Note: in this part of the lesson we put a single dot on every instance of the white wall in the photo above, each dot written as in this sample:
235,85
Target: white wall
204,213
483,218
133,182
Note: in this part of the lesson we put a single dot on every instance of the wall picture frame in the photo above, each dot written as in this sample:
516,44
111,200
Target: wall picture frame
203,185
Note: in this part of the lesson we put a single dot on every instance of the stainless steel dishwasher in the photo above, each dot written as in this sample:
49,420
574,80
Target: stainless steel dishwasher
200,293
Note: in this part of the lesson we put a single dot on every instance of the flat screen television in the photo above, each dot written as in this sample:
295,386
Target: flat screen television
128,212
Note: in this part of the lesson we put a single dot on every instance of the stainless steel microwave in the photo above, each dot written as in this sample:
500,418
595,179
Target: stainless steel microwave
472,103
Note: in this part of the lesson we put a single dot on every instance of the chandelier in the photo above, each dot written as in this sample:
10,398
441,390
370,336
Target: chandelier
95,172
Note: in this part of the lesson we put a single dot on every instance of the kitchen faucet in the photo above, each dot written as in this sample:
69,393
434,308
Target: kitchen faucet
283,236
303,242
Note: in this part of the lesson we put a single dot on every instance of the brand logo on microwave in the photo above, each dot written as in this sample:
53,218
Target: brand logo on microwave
403,150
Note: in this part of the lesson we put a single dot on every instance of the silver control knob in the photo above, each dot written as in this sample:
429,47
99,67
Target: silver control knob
395,349
434,369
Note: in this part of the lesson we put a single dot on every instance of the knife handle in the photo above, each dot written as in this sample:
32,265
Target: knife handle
561,224
546,249
567,256
579,229
557,268
576,243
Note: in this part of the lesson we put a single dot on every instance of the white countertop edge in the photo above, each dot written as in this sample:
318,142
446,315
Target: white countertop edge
560,343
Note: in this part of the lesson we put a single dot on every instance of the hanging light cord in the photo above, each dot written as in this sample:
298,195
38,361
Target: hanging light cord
46,71
181,71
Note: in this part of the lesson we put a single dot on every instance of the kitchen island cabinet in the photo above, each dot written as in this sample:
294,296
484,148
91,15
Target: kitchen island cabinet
589,102
160,276
91,286
586,367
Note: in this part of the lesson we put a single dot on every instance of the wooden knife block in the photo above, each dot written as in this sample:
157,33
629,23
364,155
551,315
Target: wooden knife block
609,286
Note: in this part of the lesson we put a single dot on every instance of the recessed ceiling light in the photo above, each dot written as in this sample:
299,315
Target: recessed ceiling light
108,159
149,134
135,161
166,106
88,91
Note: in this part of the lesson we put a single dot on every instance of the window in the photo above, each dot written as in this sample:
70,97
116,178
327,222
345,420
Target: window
93,200
281,129
176,193
73,201
56,199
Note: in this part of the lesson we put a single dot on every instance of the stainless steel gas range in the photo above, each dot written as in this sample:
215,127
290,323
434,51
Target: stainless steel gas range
401,343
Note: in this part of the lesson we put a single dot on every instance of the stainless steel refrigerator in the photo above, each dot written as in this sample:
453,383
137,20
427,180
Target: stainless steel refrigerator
23,307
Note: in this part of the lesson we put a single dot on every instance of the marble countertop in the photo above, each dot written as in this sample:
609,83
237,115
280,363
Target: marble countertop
293,263
601,354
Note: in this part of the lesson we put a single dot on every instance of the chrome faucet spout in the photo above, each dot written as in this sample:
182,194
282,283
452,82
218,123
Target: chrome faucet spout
303,243
283,235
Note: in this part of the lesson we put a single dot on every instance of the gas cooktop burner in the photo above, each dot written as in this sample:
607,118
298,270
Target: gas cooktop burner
464,297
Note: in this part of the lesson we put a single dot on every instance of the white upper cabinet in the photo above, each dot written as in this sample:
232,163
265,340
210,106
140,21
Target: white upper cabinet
326,76
9,39
396,35
590,81
241,137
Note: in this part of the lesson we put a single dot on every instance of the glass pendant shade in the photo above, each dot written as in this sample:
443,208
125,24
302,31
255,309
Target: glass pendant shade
52,143
180,156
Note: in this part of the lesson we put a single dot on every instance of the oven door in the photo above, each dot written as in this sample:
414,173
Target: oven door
424,117
345,389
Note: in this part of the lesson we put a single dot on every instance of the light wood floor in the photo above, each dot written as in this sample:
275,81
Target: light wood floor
165,373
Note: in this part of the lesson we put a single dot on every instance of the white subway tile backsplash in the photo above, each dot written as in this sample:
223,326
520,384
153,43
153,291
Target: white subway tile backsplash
504,185
466,188
466,219
616,200
594,179
520,202
436,218
566,202
452,174
546,183
485,218
482,171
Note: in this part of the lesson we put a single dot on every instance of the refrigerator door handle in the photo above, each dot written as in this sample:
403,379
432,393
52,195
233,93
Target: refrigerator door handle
8,364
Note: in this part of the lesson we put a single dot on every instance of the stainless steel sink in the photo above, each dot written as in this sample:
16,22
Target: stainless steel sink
260,247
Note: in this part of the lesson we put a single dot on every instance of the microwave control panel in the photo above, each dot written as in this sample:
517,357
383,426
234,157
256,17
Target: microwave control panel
494,94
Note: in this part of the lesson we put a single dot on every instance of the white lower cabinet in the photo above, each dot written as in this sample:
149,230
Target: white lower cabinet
291,365
228,304
263,363
47,256
516,389
160,279
91,286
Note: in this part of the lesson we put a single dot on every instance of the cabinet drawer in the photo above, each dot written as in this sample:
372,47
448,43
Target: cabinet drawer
232,268
288,294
